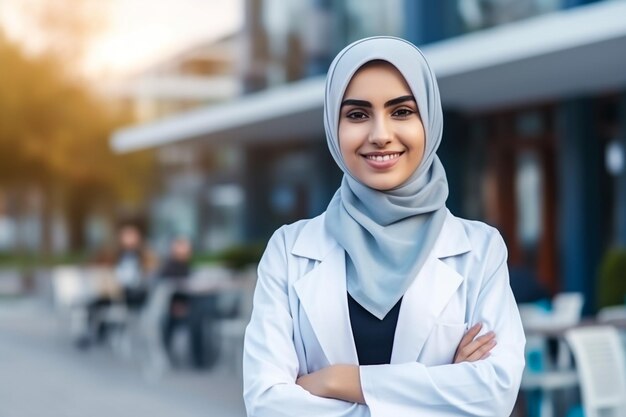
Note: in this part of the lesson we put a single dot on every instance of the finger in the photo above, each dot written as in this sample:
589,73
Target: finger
476,344
479,353
476,355
467,338
470,335
486,338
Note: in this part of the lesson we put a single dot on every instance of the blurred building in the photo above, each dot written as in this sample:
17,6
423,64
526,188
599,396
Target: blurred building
201,76
534,93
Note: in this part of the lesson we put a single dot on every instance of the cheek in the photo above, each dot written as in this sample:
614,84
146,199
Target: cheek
348,140
414,138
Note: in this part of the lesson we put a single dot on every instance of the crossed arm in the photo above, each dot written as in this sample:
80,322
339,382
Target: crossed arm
343,382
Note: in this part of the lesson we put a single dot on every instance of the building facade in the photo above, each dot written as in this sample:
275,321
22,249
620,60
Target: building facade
534,96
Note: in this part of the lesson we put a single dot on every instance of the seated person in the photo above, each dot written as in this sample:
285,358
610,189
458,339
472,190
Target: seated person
134,265
176,269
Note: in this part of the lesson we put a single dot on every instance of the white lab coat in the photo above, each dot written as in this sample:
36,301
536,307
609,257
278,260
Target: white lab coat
300,324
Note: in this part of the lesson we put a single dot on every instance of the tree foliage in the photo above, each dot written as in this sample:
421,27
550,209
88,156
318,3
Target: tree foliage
54,133
63,28
611,289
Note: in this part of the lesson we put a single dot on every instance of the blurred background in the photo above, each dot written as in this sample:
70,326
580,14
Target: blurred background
148,149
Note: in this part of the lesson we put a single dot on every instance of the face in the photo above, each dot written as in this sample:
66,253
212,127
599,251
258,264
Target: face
129,238
181,249
381,136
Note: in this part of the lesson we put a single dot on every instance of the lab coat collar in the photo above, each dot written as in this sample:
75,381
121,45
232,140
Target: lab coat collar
314,241
323,295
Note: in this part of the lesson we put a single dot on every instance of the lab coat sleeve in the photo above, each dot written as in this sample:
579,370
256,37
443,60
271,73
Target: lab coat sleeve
270,362
488,387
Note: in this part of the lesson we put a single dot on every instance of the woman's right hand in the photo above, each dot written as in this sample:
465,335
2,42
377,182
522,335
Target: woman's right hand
472,348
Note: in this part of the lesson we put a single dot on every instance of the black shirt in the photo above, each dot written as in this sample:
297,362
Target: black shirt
373,338
175,269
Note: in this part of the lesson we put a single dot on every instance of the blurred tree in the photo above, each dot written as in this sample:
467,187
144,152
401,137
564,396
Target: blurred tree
54,134
63,28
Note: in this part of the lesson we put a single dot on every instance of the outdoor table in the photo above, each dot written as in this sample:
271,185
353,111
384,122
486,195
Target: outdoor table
204,310
561,373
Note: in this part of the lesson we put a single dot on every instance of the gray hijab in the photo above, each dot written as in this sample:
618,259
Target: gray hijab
387,235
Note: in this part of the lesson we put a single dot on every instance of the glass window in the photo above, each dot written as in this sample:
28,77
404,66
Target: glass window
529,124
224,220
480,14
475,177
529,193
373,17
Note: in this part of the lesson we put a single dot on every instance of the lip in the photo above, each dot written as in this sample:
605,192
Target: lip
381,165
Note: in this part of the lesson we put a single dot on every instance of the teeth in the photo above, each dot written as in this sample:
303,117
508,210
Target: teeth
383,158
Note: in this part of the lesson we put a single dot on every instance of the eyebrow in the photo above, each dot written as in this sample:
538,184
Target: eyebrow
363,103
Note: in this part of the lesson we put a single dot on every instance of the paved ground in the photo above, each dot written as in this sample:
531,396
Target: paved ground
42,374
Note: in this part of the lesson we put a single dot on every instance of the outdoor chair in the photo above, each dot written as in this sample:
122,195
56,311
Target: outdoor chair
545,375
567,308
617,315
565,311
148,331
612,313
541,385
113,316
232,329
601,368
71,294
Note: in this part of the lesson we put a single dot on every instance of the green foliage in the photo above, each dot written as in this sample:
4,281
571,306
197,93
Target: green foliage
612,278
31,261
17,261
237,257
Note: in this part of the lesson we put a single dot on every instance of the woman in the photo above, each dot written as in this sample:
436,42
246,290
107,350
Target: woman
362,311
134,265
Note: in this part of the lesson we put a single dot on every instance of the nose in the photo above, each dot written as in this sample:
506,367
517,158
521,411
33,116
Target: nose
380,135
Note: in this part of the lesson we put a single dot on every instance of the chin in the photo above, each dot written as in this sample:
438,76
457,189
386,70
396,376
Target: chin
382,185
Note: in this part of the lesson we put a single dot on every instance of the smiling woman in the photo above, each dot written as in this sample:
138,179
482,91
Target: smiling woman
381,135
386,304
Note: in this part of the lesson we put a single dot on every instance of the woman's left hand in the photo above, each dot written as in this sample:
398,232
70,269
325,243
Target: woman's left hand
472,348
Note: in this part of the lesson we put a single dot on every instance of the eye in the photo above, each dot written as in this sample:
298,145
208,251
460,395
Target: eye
356,115
403,113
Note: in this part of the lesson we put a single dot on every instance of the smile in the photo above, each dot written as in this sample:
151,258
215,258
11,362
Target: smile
383,158
382,161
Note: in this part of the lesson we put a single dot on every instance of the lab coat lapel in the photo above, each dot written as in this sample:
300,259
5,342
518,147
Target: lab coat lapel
322,292
323,296
429,293
421,305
